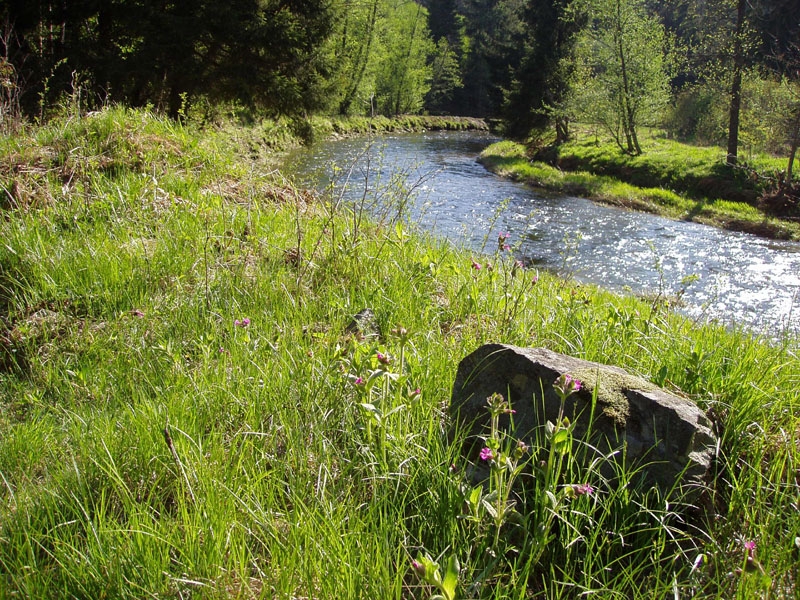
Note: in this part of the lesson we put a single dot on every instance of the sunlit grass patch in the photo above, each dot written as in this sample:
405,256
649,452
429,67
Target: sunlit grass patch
651,182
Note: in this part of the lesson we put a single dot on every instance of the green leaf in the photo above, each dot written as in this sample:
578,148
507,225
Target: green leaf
490,508
562,441
450,581
475,495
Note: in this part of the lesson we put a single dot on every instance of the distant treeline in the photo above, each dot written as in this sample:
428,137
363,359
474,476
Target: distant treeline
702,69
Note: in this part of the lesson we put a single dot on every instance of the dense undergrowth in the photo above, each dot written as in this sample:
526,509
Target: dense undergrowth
183,412
670,178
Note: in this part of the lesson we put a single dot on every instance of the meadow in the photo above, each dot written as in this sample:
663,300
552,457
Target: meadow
185,413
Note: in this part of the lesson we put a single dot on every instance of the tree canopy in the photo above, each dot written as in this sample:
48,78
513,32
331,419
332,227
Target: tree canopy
536,64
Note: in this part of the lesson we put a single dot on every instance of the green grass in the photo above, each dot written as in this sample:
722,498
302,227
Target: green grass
119,291
676,180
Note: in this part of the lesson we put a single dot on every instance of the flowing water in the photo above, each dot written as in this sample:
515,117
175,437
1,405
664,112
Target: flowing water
732,277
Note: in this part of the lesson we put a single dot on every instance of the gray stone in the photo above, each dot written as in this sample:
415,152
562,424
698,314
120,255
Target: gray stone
364,324
668,437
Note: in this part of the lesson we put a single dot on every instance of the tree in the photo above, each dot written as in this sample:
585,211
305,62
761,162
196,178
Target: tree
625,81
403,77
354,49
541,82
779,25
736,84
166,52
445,78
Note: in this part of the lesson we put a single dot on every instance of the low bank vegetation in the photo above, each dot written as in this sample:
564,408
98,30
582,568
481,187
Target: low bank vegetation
671,178
183,411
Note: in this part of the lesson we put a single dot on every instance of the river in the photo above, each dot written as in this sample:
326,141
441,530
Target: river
734,278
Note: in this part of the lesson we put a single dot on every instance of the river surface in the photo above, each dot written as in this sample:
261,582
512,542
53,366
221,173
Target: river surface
737,278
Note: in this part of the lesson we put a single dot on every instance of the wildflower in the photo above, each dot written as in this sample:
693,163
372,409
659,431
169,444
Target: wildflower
566,385
400,332
574,383
751,565
243,323
223,350
419,569
487,453
581,489
384,359
521,450
358,381
137,313
415,393
498,405
502,239
476,265
698,562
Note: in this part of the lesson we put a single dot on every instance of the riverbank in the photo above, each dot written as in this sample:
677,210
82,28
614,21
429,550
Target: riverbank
270,138
670,179
184,412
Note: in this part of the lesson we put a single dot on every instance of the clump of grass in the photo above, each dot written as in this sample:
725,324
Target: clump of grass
189,420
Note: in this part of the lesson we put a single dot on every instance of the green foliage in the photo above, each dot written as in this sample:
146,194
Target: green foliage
404,75
623,82
356,52
262,53
445,78
380,51
540,90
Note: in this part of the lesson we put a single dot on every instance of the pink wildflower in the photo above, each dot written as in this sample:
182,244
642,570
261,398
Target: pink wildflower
487,454
575,384
418,568
583,488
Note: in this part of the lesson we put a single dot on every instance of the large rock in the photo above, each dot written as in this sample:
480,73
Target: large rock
669,437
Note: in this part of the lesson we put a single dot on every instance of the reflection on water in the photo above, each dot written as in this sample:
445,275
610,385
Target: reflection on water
739,277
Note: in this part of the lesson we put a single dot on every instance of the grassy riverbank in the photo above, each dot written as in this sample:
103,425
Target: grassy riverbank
676,180
182,412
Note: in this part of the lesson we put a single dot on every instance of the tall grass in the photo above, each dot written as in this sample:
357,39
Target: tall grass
181,413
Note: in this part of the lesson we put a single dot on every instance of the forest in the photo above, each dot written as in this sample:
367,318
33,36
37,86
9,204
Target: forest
711,71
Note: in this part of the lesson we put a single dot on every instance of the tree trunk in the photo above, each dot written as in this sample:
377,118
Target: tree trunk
628,115
795,141
361,62
562,129
404,67
736,86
